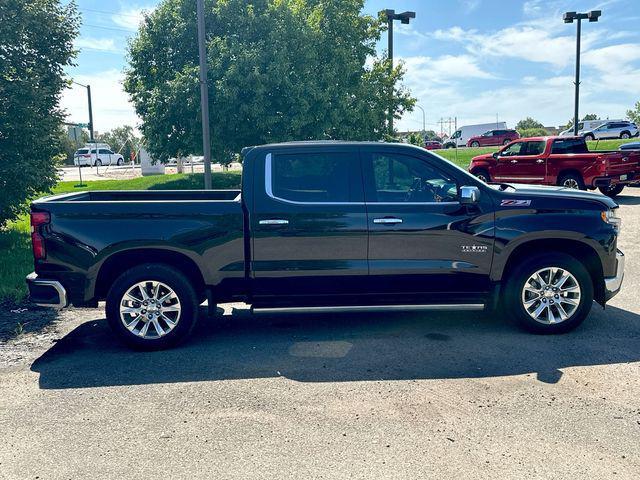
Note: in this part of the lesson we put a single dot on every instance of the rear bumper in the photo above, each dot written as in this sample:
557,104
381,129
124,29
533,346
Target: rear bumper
612,285
631,178
46,293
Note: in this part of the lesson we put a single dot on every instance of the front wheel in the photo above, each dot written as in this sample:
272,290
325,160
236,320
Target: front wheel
99,163
612,191
151,307
506,142
589,138
475,144
549,293
482,175
119,162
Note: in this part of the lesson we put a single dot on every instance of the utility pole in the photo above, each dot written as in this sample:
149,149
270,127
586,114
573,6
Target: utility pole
204,96
404,17
569,17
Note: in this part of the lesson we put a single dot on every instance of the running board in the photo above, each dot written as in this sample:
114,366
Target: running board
371,308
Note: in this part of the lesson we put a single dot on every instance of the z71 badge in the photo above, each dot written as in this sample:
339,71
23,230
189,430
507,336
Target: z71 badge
515,203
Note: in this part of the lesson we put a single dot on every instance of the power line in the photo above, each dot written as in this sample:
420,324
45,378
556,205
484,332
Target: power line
107,12
108,28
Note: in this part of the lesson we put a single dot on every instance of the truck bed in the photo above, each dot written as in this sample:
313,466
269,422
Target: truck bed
145,196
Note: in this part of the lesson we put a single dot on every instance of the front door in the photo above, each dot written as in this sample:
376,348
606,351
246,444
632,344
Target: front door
309,225
422,241
521,162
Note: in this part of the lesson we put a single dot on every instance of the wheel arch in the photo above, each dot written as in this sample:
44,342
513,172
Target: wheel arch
122,261
567,171
581,251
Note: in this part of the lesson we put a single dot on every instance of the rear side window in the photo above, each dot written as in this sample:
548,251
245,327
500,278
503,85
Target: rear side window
82,151
314,177
571,145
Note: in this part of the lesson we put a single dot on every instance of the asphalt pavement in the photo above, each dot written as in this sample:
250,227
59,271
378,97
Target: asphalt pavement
447,395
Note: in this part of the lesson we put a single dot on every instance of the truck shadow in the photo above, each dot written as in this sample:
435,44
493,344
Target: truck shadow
340,348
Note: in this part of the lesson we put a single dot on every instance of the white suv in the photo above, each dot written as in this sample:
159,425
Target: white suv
614,129
105,156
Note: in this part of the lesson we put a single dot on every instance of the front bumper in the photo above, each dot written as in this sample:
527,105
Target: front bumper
46,293
612,284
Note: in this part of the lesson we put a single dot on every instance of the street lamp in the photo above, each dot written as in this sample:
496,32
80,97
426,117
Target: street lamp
204,95
569,17
88,87
404,17
424,119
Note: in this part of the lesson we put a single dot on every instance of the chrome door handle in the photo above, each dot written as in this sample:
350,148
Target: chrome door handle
514,161
539,161
387,220
274,221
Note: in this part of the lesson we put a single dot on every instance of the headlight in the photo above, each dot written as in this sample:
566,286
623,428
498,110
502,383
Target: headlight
609,216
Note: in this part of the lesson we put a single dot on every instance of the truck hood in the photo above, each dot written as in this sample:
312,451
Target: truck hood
559,192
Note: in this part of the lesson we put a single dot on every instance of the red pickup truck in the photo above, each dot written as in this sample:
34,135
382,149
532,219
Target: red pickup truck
564,161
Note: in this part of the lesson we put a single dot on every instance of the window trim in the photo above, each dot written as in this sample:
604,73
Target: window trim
268,188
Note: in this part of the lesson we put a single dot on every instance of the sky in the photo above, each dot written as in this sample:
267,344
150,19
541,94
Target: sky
470,60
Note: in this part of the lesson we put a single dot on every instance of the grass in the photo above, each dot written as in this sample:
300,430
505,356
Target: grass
15,241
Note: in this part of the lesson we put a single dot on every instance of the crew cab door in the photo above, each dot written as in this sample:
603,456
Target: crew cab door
422,240
522,161
308,225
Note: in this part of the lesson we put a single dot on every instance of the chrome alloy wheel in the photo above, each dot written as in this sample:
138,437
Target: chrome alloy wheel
150,309
571,183
551,295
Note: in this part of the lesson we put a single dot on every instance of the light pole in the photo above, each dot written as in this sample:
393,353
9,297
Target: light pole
404,17
569,17
91,139
204,96
424,119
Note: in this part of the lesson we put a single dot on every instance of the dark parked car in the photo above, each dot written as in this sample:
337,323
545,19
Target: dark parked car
328,226
630,146
432,145
493,137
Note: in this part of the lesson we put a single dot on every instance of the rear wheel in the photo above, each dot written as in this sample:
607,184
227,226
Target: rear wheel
625,135
549,293
120,162
612,191
506,142
99,163
475,144
571,180
589,138
151,307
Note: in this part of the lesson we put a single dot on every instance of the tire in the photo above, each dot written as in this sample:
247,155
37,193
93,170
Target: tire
571,180
611,192
483,175
589,138
119,162
475,144
542,264
169,280
506,142
99,163
625,135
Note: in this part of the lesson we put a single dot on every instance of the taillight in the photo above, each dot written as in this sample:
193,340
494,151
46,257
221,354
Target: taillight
38,219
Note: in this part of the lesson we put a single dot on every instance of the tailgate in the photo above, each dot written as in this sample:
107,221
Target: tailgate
620,163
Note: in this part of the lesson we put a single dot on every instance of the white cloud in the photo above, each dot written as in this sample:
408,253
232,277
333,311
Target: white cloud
102,44
111,106
130,17
470,5
428,70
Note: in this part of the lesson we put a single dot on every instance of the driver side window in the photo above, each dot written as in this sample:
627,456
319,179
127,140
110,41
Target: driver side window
401,178
513,149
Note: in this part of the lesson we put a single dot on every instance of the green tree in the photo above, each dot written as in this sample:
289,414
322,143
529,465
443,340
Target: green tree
634,114
416,138
432,135
122,140
528,123
278,70
36,43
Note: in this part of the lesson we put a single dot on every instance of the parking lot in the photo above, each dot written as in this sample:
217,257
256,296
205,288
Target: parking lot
330,396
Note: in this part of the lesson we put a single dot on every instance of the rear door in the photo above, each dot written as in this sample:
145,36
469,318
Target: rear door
309,224
422,241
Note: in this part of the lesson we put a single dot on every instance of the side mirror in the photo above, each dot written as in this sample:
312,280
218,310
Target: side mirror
469,195
495,155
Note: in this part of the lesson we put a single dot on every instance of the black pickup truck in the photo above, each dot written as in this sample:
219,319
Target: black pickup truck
328,226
